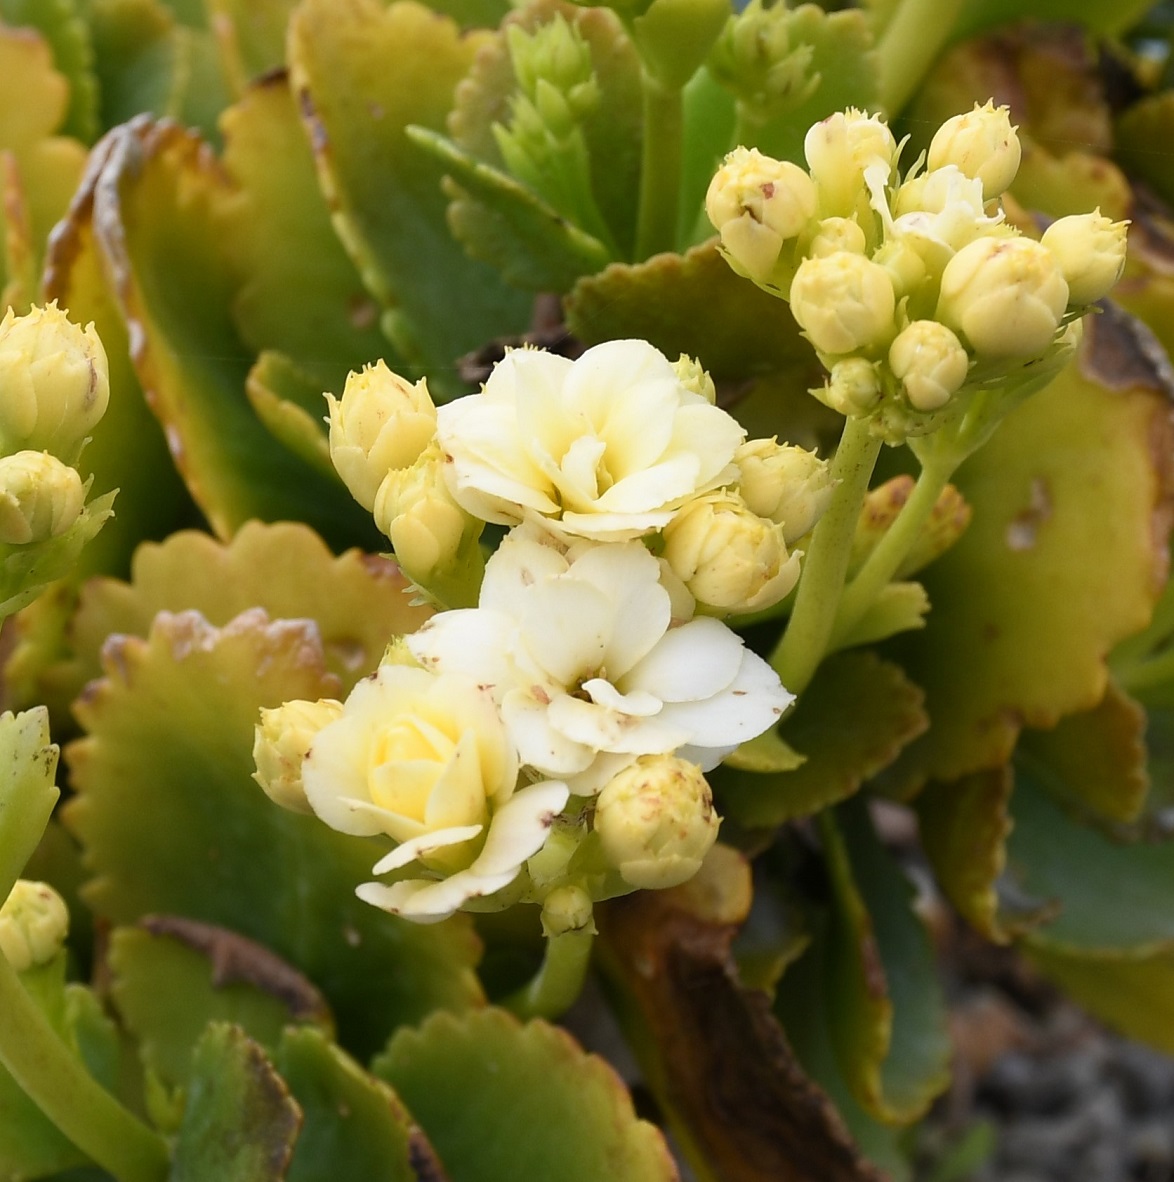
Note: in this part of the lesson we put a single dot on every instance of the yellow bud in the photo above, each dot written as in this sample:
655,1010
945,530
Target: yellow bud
34,922
982,144
656,821
567,909
693,376
838,150
756,204
904,265
729,558
835,234
843,302
786,484
54,383
1090,251
382,422
930,362
281,742
40,497
1006,296
854,387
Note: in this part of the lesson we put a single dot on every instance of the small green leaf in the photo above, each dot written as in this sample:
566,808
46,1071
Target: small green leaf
27,792
277,390
502,1101
764,754
240,1123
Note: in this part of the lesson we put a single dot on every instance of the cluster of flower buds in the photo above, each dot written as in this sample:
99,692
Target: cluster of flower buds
913,288
34,922
54,388
551,742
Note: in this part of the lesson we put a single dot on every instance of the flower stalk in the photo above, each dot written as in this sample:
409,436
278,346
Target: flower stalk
660,167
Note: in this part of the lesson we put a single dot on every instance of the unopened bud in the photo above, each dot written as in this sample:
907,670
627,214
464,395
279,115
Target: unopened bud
693,376
882,505
54,383
836,234
982,144
281,742
838,150
382,422
757,204
853,388
730,558
930,362
1005,295
40,497
843,302
34,922
1090,251
904,265
656,821
786,484
567,909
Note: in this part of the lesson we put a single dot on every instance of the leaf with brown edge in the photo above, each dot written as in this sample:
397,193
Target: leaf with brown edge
501,1100
362,73
1064,557
169,736
712,1051
852,721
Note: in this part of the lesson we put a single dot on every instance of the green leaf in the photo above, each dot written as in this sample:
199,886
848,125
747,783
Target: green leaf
279,393
1095,16
137,58
502,1101
1022,614
170,736
27,792
241,1122
853,719
888,1021
1144,124
158,212
171,977
354,1125
362,73
250,35
298,293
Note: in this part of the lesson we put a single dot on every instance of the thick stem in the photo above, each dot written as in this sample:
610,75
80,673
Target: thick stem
660,168
68,1095
882,564
557,984
805,641
910,44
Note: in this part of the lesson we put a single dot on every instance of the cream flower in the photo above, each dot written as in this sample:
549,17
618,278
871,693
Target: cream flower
580,648
426,761
605,447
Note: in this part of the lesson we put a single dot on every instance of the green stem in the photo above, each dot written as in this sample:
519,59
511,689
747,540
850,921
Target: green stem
882,564
1155,671
660,168
557,984
910,44
805,641
68,1095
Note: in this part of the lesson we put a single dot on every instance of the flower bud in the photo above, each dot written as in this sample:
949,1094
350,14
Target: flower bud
281,742
730,558
34,922
786,484
931,363
756,204
40,497
567,909
381,422
838,150
836,234
656,821
904,265
982,144
54,383
854,387
843,302
694,377
1005,295
1090,250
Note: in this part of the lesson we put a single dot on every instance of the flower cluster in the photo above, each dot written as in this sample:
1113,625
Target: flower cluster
913,288
593,683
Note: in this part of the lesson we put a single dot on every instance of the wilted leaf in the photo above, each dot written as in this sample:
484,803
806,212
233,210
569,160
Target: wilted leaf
502,1101
170,736
852,720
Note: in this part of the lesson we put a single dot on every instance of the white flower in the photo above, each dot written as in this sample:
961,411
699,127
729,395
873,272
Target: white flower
605,447
426,761
579,647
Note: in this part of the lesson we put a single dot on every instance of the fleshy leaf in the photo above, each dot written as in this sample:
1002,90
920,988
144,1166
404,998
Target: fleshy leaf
1144,124
240,1122
501,1101
137,59
853,719
362,73
888,1016
250,35
27,792
298,291
354,1125
1093,15
170,736
158,211
278,392
171,977
1064,557
712,1051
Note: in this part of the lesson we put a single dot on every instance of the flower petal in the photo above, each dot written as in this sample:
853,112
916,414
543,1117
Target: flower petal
424,901
566,627
427,843
690,663
472,642
538,743
519,828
